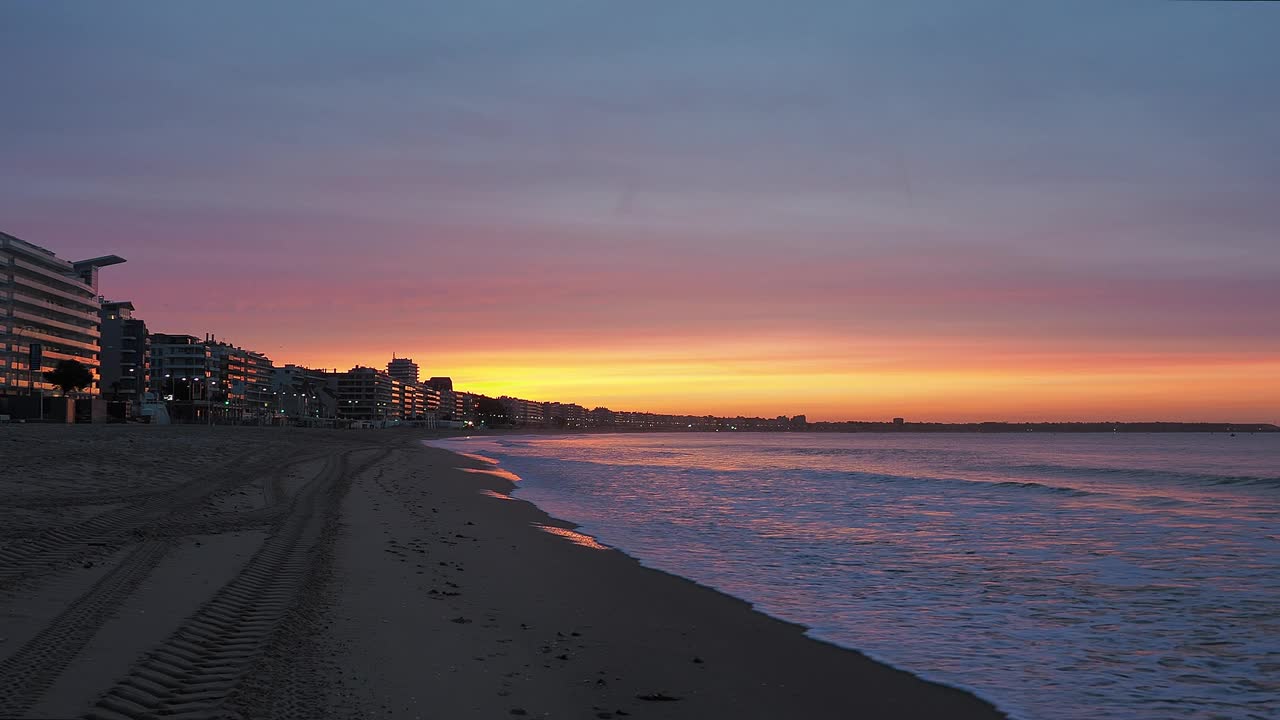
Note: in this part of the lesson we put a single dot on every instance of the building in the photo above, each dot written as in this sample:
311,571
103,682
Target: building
403,369
524,412
304,394
600,417
257,373
413,401
430,401
238,387
450,402
565,415
49,311
124,373
367,395
182,371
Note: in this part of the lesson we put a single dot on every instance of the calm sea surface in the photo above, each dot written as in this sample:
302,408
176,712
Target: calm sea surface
1059,576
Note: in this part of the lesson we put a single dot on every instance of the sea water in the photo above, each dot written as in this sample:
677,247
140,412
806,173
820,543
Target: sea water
1060,576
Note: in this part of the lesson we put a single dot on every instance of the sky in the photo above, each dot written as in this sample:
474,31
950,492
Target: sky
853,210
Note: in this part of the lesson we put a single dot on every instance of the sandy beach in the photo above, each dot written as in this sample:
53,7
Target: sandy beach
272,573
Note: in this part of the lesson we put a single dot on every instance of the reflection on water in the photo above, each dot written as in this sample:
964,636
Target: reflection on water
496,472
574,537
1061,576
479,458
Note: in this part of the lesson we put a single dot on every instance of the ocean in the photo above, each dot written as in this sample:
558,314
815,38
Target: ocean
1060,576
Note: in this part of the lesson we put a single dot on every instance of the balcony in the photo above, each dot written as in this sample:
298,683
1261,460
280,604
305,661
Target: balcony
54,310
67,280
83,298
49,339
87,331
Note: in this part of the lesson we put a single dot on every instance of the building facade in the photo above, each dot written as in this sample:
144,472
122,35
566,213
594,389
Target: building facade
49,311
124,373
304,393
182,371
367,395
403,369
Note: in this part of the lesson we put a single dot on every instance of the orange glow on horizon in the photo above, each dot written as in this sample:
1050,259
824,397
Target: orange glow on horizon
923,381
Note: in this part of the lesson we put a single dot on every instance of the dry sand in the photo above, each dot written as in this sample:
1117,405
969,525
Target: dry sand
280,573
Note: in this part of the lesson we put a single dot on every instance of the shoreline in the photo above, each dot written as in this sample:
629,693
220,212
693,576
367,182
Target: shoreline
777,642
804,629
330,574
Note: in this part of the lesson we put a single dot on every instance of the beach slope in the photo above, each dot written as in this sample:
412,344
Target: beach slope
272,573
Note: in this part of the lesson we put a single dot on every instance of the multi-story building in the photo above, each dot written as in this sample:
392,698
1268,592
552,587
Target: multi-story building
366,395
240,382
600,417
304,393
403,369
125,354
229,380
466,404
182,369
413,402
524,412
49,311
257,371
566,415
430,401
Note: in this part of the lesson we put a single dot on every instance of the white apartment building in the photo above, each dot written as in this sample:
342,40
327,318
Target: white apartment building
50,305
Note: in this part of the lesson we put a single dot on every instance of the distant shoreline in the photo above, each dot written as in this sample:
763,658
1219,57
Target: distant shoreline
836,427
915,428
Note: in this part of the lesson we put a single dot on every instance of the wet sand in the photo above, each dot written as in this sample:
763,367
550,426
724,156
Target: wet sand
271,573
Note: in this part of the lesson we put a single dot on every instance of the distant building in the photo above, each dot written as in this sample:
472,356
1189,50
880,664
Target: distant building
403,369
413,401
450,401
304,394
430,401
898,421
181,371
523,412
367,395
240,386
49,305
566,415
125,354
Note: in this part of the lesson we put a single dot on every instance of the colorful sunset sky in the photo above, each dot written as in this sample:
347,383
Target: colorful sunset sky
855,210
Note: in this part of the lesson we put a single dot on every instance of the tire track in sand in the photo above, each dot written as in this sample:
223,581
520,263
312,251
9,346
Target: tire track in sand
27,673
195,673
57,547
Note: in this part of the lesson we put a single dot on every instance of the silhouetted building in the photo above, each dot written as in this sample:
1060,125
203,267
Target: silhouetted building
523,412
181,368
566,415
403,369
367,395
303,393
125,353
240,383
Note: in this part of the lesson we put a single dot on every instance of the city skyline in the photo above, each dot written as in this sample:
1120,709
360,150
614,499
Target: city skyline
993,212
